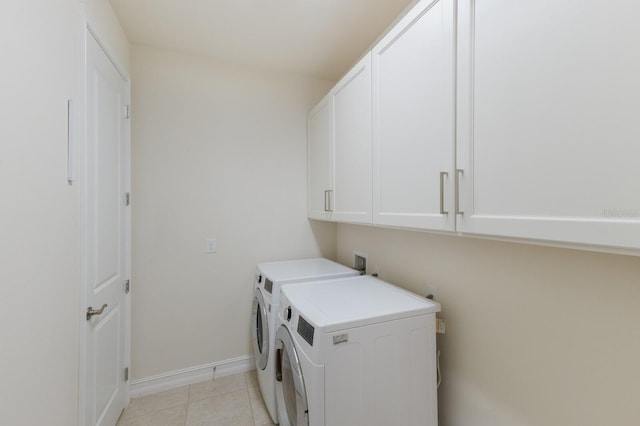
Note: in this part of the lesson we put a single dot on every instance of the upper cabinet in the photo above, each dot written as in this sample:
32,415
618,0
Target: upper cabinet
502,119
340,150
414,120
320,152
548,107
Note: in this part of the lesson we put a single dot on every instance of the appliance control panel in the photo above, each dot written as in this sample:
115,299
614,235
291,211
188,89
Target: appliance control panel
305,330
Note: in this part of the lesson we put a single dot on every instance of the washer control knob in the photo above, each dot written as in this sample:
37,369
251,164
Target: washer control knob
259,279
287,313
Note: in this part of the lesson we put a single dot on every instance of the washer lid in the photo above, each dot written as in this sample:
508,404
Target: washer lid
354,302
291,271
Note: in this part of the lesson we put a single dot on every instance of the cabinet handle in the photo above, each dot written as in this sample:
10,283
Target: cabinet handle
459,172
327,200
442,176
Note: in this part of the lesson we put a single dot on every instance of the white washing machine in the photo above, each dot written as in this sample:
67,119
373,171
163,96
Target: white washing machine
356,352
269,278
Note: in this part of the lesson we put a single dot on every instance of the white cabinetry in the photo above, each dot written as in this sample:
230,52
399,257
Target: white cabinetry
548,110
503,119
414,120
340,150
320,154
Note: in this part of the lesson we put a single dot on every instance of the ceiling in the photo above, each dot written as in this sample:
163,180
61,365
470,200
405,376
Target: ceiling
315,38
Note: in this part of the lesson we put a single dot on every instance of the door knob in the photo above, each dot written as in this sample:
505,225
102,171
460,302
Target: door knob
91,312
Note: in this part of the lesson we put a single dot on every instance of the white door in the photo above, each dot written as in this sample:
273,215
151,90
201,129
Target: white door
106,238
414,120
351,201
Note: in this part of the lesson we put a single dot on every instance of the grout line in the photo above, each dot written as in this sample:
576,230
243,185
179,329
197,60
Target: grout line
186,409
247,386
253,416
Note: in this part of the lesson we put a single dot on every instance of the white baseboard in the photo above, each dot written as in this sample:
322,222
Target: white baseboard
187,376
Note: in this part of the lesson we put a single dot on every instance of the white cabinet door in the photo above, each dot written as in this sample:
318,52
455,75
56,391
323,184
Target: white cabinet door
340,150
320,152
548,109
351,199
414,120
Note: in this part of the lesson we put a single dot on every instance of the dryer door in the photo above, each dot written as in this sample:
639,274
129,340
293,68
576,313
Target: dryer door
291,396
260,330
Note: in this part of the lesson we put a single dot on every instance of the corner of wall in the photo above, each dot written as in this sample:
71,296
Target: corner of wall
104,22
326,236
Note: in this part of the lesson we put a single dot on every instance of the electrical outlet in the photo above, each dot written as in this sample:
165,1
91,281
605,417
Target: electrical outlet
211,245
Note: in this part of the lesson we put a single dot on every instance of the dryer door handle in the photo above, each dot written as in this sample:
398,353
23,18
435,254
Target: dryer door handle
279,365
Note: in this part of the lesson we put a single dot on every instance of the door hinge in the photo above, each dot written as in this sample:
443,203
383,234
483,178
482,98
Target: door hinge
127,287
127,111
126,374
127,198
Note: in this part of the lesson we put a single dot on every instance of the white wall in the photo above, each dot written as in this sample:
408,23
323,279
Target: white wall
105,24
40,220
535,335
218,152
39,238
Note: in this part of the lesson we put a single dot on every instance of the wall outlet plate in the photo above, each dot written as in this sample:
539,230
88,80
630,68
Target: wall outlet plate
211,245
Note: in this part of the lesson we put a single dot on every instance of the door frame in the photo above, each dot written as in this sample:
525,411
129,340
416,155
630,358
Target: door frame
87,29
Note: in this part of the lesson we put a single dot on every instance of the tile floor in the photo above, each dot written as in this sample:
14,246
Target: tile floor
225,401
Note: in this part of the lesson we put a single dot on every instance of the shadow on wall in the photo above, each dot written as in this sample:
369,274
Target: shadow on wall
325,234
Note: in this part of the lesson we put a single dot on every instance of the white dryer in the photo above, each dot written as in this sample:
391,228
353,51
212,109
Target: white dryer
356,352
269,278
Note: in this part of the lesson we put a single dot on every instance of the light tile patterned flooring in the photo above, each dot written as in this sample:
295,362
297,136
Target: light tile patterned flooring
225,401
